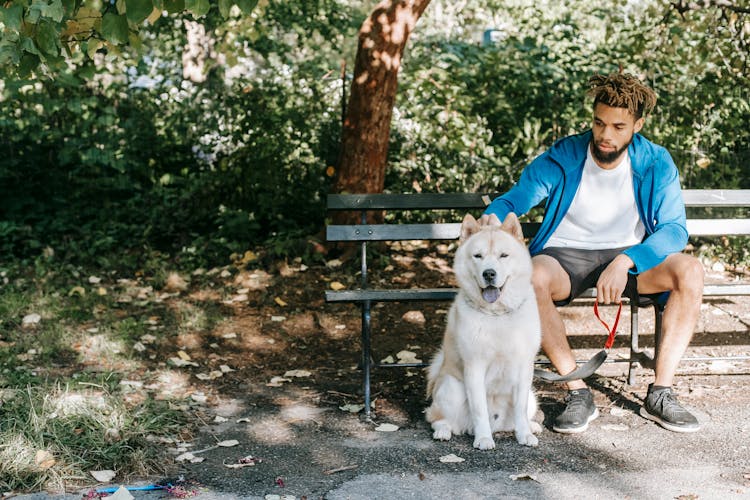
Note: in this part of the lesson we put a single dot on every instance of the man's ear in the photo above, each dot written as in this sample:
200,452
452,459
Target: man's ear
639,124
469,226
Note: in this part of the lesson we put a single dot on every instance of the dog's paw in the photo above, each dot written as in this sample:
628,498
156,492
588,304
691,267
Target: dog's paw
484,443
442,432
526,439
535,427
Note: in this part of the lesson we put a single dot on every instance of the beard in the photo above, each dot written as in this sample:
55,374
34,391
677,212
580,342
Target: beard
607,158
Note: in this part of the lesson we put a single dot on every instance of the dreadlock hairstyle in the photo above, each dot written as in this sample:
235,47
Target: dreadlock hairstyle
622,90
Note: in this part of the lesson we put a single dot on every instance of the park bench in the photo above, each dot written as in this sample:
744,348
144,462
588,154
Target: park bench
722,213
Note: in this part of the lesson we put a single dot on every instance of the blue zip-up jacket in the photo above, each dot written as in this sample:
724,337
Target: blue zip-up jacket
555,175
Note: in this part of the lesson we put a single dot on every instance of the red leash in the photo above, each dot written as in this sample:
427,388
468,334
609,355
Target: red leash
613,331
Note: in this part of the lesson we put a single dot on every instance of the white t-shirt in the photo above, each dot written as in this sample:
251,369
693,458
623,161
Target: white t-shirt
603,214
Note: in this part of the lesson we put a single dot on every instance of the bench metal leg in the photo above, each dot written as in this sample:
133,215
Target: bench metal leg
658,313
366,358
634,349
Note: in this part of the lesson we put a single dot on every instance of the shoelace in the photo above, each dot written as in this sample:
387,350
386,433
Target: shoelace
668,403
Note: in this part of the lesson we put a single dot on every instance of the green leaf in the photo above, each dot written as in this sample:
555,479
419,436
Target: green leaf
138,10
247,6
12,16
47,39
174,6
53,11
115,28
224,7
199,8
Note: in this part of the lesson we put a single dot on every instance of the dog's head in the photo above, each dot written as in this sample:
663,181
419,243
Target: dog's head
491,260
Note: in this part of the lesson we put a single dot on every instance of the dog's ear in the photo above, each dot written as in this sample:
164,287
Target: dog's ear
469,226
511,225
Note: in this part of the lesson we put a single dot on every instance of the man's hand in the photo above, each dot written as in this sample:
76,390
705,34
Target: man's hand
613,279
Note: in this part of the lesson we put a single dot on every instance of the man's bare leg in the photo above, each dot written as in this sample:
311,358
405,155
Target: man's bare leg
552,283
683,276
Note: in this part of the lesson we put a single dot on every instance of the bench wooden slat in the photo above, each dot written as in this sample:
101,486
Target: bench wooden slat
716,197
397,295
384,201
450,201
718,227
416,294
402,232
451,230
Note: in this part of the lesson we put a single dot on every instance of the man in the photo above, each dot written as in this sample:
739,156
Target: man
614,219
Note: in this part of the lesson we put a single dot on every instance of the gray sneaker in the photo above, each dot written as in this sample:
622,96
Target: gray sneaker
662,407
579,411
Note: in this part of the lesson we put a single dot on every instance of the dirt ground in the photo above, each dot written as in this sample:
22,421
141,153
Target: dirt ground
295,361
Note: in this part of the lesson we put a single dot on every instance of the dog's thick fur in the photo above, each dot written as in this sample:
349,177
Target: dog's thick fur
480,380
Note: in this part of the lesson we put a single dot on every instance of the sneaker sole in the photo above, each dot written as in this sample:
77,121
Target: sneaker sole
672,427
576,430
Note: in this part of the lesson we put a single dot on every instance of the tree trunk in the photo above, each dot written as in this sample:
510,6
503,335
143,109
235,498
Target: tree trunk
366,128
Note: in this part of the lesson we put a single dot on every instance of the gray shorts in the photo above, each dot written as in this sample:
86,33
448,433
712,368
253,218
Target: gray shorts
584,267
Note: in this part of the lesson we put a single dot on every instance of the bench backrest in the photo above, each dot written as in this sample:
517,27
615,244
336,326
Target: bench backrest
694,198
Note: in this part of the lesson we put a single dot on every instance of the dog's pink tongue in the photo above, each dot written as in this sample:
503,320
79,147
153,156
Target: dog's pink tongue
490,294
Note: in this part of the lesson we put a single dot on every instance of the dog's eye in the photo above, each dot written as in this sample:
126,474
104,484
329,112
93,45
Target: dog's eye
503,255
477,255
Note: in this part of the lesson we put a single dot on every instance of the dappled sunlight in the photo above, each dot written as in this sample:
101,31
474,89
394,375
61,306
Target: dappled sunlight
271,430
100,352
170,384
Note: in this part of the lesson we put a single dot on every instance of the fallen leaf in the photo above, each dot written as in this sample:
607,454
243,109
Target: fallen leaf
352,408
279,301
388,360
335,285
228,444
94,280
407,357
386,428
31,319
297,373
183,355
218,419
523,477
44,459
181,362
230,335
277,381
122,493
103,476
225,369
451,459
77,290
243,420
278,319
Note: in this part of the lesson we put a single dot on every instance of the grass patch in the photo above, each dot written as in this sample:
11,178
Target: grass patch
51,437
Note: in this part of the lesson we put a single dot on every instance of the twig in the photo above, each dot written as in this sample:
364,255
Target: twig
340,469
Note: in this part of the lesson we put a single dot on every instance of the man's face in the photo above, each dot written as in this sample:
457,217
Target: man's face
613,132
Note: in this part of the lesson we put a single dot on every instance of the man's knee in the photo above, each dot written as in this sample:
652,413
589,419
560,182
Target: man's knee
547,278
689,273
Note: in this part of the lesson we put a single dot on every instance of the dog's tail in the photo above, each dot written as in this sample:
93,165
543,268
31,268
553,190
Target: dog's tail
433,371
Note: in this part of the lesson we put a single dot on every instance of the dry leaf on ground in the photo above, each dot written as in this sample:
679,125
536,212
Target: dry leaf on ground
386,428
103,476
451,459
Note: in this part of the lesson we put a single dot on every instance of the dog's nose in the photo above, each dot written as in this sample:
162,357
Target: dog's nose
489,276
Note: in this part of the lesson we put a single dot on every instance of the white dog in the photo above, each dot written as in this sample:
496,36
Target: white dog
480,380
